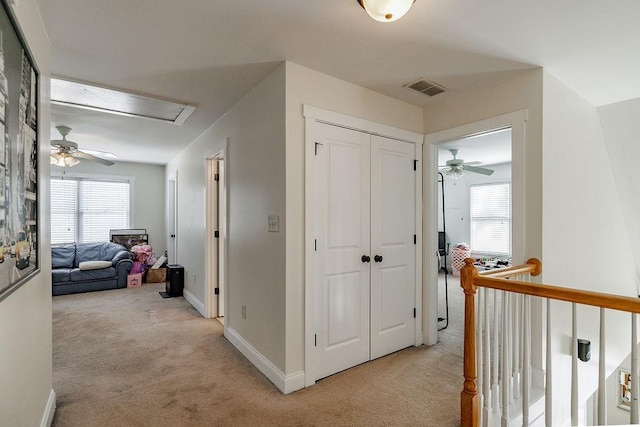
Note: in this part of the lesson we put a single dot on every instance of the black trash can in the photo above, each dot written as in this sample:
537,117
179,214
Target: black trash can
175,280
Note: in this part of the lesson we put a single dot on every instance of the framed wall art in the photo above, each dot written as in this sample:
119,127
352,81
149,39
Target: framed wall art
19,232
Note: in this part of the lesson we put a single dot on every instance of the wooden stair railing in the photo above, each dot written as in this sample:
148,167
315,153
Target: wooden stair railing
471,279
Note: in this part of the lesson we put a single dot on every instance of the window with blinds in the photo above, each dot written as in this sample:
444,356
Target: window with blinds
84,210
491,218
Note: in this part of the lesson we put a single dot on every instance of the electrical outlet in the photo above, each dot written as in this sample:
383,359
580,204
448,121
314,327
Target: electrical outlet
244,311
274,223
195,279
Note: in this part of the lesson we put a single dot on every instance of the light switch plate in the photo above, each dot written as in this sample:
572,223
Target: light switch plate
274,223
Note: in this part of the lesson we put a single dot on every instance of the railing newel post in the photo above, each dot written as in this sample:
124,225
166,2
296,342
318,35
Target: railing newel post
469,409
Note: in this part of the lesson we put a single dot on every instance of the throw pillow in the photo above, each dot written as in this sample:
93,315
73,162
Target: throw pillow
94,265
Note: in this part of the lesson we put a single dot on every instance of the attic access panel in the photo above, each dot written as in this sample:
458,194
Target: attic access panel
80,95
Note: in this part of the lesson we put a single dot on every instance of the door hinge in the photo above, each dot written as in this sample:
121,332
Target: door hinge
216,177
415,165
315,245
414,312
316,148
216,291
216,234
415,239
315,340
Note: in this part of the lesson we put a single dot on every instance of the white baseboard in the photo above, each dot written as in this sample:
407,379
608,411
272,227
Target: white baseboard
195,302
286,383
49,410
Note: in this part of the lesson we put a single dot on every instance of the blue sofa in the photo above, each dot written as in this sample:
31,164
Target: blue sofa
69,278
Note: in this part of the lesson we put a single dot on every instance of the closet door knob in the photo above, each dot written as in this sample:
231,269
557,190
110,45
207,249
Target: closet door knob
377,258
366,258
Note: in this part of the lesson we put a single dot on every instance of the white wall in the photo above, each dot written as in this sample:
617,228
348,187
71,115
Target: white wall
621,129
523,92
25,315
255,173
584,240
305,86
148,194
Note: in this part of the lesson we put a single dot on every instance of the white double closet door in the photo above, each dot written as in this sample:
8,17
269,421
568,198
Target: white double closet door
364,287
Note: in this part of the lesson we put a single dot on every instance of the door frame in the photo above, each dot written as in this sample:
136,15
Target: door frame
517,122
314,115
215,252
173,218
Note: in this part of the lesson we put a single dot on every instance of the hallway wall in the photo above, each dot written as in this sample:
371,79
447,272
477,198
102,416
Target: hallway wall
621,129
585,244
26,394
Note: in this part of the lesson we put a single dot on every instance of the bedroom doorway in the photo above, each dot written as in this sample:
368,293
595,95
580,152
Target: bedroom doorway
516,122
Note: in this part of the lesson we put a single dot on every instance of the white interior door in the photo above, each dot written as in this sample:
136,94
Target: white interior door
341,288
392,245
363,287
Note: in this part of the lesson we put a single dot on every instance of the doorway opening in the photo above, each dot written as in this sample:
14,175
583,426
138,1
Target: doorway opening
471,132
474,212
216,224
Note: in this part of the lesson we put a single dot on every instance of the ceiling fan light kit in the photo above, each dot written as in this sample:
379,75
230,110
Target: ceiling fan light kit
386,10
63,159
455,167
66,153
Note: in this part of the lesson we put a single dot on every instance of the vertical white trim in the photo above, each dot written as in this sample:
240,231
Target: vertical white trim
548,386
211,249
574,365
504,361
602,373
173,218
526,365
517,122
430,244
634,370
419,337
215,249
311,268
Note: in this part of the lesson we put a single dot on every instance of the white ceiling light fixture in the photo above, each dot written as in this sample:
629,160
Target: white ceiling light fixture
81,95
386,10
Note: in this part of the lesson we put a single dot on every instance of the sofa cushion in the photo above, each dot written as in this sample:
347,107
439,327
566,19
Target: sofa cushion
77,275
60,275
94,265
100,251
63,256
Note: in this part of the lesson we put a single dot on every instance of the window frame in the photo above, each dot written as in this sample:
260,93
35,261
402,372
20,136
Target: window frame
509,218
91,177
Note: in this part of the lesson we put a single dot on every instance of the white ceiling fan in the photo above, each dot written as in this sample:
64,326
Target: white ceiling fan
66,153
455,167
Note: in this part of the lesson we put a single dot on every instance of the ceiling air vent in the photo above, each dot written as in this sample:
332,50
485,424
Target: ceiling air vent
426,87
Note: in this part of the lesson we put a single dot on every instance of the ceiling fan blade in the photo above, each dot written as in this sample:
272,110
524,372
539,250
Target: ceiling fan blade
88,156
476,169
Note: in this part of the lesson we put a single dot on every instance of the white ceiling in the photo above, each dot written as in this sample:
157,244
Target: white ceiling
210,53
486,149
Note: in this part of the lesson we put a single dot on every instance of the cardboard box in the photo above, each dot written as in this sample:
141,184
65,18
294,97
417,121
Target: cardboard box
134,280
156,275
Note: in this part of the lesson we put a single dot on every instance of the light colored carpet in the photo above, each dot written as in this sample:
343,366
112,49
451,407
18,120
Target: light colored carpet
127,357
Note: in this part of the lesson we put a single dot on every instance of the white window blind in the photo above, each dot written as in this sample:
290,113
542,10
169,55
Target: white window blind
104,205
64,210
84,210
491,218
